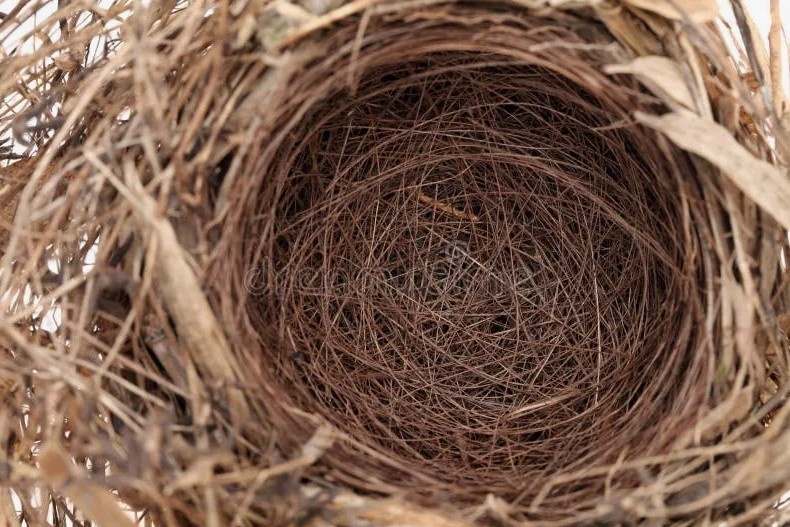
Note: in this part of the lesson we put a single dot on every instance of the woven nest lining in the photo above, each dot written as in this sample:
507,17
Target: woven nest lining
487,261
472,261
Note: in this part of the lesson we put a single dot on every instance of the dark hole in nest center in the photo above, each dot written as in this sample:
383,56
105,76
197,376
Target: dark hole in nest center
474,267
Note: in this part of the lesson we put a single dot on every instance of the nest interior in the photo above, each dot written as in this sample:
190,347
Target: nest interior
461,251
477,239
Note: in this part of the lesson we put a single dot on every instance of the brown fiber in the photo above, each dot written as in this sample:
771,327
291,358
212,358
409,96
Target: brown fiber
475,264
426,263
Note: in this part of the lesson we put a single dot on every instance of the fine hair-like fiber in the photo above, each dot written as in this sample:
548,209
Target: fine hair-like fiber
378,263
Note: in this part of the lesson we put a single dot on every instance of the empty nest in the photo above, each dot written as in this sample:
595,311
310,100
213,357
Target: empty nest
458,255
459,249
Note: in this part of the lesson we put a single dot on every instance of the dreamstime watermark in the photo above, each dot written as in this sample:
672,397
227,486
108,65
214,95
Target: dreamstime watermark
454,271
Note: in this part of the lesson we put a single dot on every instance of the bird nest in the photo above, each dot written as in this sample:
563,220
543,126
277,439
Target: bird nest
411,262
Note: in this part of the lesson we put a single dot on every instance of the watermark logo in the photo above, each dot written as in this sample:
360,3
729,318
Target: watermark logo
455,271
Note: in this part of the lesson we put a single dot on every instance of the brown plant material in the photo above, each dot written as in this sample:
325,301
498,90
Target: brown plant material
94,500
506,329
424,262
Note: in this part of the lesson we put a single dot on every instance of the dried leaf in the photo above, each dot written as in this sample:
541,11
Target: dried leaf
54,465
662,76
94,501
765,184
362,510
775,54
756,53
321,441
696,10
294,12
618,22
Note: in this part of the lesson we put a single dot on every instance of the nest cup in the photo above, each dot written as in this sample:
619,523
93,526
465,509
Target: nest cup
487,261
455,245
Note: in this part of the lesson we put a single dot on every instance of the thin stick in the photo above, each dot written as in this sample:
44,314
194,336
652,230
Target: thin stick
775,49
447,209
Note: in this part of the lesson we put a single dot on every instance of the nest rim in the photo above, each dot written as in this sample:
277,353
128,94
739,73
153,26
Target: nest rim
343,73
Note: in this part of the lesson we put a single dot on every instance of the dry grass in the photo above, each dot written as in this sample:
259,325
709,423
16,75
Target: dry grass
416,263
